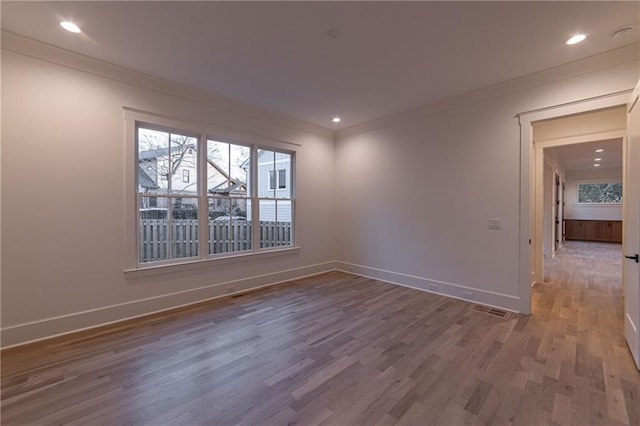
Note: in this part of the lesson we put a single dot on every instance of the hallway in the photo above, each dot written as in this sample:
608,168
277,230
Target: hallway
581,310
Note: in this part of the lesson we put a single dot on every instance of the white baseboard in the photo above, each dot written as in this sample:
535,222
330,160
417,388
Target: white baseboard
484,297
21,334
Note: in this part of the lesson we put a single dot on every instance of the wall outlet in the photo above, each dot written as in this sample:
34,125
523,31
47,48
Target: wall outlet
494,223
230,288
467,295
351,268
433,287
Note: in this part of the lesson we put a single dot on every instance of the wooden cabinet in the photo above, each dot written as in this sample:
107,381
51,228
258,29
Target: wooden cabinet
609,231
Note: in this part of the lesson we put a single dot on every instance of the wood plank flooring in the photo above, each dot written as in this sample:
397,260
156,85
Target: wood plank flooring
337,349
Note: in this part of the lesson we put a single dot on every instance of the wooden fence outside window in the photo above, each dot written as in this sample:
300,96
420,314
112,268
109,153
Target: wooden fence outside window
224,237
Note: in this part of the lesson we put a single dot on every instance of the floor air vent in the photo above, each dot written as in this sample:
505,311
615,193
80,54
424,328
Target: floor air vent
492,311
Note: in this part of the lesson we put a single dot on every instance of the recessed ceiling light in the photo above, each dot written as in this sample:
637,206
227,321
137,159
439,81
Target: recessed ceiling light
336,119
70,26
576,39
596,165
598,159
599,150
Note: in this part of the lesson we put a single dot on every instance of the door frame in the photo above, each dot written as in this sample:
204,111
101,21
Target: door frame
531,164
629,239
558,216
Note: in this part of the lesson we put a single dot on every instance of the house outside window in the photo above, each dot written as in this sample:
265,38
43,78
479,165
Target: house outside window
200,197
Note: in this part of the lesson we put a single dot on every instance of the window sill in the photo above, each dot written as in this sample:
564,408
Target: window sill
149,271
597,204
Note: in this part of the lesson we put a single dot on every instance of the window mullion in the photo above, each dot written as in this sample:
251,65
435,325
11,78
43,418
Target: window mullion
292,194
203,201
255,202
170,236
169,164
275,174
230,236
169,253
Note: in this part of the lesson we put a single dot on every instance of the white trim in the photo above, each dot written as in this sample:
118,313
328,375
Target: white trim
29,332
585,137
42,51
571,108
456,291
212,131
529,165
151,269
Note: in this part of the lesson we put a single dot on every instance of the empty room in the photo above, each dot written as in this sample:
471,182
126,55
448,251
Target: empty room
320,213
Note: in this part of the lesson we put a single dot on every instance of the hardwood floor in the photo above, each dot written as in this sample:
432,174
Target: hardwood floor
340,349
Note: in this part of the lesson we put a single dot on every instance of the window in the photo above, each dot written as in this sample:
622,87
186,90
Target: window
228,174
600,193
168,209
275,199
282,179
199,197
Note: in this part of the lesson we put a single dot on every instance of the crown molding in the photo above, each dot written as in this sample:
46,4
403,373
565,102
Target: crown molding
612,58
36,49
39,50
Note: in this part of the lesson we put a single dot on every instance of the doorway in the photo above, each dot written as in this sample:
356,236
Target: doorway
586,148
582,187
531,164
531,218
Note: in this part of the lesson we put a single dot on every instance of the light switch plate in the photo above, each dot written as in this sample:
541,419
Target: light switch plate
494,223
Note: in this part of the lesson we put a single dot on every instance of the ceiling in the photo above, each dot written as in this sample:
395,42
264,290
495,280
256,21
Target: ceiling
314,60
580,157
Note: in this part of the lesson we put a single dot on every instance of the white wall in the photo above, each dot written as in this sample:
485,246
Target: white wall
413,192
417,190
63,210
586,211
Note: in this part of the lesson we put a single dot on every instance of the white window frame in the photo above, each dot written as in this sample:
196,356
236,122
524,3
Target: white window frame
133,268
